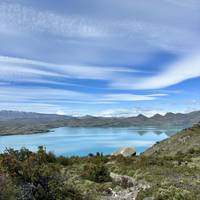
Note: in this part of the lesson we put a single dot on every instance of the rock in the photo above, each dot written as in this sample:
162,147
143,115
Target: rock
126,152
184,139
131,188
125,181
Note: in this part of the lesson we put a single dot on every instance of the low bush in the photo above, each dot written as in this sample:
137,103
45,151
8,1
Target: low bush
97,173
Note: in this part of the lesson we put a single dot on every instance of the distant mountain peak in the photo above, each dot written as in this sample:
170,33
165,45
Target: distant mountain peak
169,114
157,116
141,116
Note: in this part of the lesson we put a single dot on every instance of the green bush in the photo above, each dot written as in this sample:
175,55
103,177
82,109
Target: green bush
63,161
97,173
38,173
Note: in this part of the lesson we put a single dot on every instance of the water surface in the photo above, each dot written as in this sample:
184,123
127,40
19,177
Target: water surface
82,141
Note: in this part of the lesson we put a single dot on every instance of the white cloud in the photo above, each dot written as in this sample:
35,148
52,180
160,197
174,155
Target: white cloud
60,112
29,19
45,95
143,31
18,68
182,70
35,94
131,97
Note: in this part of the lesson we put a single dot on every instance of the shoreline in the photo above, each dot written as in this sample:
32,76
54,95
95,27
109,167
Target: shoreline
33,131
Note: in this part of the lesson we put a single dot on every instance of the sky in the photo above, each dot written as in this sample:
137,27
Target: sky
100,57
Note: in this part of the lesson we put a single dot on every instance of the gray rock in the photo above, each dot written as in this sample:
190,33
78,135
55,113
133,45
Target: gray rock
132,188
126,152
125,181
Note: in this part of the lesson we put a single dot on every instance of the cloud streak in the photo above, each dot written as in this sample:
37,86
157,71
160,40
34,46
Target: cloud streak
182,70
56,96
20,67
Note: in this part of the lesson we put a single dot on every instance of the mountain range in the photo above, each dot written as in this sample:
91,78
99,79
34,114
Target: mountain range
15,122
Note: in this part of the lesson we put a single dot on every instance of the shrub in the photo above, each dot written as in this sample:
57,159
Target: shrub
38,173
8,191
97,173
64,161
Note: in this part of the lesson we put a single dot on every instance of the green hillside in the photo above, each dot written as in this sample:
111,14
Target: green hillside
183,141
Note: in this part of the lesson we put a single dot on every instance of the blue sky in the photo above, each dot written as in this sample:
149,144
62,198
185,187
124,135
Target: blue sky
105,58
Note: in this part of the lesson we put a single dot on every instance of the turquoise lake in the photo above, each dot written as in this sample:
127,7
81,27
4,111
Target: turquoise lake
82,141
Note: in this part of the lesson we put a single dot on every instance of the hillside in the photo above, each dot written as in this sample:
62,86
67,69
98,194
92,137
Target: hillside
183,141
12,122
6,115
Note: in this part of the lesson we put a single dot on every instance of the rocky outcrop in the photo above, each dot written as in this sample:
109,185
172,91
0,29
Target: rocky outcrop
131,188
126,152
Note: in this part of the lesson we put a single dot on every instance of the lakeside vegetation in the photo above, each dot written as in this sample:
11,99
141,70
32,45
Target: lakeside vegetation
43,176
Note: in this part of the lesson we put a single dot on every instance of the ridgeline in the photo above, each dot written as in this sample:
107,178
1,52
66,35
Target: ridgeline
12,122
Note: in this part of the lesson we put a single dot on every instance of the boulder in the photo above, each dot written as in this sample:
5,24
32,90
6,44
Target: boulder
126,152
131,188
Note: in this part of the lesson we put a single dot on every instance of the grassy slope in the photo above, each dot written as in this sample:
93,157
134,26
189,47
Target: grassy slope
182,141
